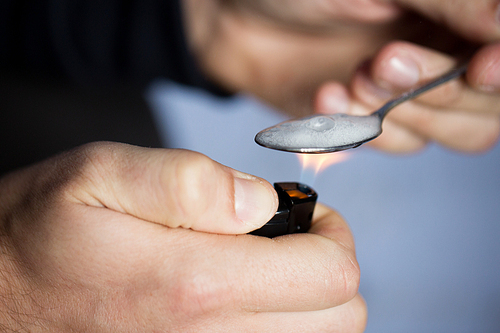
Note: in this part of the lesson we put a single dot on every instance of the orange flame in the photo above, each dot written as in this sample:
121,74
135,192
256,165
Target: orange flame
319,162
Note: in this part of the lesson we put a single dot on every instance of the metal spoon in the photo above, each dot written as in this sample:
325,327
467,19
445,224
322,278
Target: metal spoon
331,133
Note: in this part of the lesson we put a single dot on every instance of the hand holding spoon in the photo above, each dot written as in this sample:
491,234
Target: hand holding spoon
336,132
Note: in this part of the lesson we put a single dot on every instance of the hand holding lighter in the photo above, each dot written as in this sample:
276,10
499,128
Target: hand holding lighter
295,210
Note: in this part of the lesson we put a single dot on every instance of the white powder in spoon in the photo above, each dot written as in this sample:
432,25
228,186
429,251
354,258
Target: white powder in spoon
320,132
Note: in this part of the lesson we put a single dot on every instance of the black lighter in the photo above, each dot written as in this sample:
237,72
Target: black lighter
295,210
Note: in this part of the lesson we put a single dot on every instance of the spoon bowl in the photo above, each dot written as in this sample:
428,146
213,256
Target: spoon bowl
321,133
336,132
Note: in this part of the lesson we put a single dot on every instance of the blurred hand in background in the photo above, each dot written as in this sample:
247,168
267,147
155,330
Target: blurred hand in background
349,56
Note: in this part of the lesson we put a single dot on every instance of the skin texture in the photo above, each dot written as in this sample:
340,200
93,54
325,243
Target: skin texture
330,57
92,242
106,238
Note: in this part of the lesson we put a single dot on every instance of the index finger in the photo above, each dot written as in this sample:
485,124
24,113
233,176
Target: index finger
299,272
387,69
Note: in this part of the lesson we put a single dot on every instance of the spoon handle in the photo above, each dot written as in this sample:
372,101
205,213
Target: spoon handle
453,74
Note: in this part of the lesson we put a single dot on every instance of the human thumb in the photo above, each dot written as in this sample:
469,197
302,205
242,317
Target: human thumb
176,188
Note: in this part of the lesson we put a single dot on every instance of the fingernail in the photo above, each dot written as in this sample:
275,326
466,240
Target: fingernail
401,72
254,202
490,77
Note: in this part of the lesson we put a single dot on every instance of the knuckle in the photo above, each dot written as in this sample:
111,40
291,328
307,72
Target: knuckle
96,155
344,278
63,173
91,163
197,295
88,158
194,169
196,182
351,276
